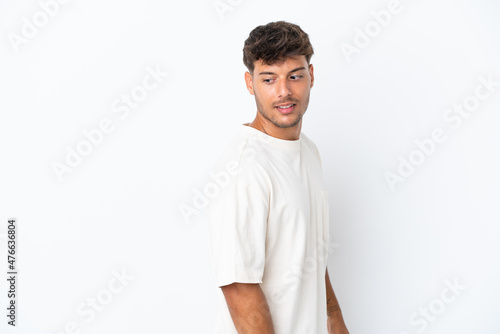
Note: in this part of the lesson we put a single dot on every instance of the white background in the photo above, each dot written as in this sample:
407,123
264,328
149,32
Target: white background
119,208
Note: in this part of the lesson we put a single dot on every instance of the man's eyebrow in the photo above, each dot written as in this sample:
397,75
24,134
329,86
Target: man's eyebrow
294,70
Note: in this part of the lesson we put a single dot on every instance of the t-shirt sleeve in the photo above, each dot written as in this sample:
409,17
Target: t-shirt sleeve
237,227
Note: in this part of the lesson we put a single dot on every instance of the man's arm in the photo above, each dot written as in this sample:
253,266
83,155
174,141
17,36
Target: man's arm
248,308
335,321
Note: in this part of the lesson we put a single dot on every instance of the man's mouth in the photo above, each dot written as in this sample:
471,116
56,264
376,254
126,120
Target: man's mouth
285,108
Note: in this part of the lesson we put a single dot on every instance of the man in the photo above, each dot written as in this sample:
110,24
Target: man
268,224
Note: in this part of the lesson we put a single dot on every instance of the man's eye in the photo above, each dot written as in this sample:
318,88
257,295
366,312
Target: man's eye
295,77
267,80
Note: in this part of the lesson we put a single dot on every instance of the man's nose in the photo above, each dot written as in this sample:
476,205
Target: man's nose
284,89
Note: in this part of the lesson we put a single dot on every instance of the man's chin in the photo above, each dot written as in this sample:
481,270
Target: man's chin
286,121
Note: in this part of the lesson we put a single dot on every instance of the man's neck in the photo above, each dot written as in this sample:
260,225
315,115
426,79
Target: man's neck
270,129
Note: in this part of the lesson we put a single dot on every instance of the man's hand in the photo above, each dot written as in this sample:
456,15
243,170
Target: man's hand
336,325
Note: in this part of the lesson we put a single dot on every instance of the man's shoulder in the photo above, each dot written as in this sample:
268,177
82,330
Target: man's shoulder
311,146
240,147
241,167
307,140
244,157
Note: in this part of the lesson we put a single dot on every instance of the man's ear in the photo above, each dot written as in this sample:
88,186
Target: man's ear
311,73
249,82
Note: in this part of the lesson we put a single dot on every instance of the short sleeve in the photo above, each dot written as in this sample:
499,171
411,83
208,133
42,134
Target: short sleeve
237,227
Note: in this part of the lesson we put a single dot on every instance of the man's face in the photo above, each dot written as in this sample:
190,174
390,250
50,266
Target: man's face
281,90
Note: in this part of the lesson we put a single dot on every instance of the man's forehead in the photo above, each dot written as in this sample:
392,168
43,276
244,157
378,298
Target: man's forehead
285,65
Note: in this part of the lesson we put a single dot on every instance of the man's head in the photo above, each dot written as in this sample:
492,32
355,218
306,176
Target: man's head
277,56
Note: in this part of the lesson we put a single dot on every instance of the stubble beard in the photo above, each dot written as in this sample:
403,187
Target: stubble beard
283,125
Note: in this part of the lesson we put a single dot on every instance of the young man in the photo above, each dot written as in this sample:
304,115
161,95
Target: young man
268,224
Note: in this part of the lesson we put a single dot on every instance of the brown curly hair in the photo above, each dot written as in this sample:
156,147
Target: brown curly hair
274,42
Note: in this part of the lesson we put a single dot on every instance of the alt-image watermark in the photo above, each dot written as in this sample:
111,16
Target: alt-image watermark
12,271
454,118
222,7
363,37
92,138
88,310
31,26
421,319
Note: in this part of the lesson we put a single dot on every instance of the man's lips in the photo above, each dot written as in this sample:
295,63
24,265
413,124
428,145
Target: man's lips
285,108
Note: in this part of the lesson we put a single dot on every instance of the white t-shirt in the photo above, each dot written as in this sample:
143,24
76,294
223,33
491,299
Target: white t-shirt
268,224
